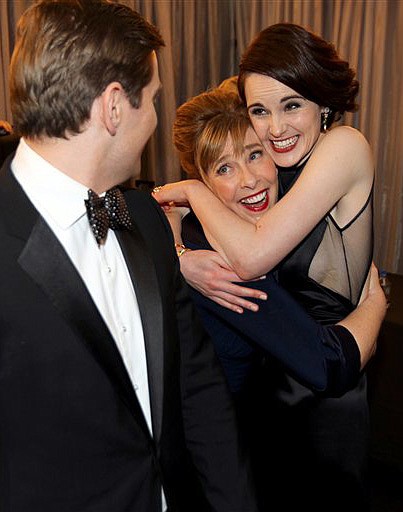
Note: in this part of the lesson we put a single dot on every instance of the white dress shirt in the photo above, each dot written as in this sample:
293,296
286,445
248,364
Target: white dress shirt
60,201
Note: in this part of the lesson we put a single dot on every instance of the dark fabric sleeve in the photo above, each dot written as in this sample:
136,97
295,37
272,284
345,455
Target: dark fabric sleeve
324,358
237,355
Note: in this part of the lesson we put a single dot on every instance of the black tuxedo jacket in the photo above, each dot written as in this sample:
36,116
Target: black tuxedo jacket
72,433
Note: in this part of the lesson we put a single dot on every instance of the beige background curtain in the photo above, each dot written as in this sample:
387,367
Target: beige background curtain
205,39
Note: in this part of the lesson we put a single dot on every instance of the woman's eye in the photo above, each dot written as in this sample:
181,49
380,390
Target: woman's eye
292,106
255,155
223,169
257,111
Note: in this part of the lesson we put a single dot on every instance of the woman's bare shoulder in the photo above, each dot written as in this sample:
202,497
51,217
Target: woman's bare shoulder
348,145
346,135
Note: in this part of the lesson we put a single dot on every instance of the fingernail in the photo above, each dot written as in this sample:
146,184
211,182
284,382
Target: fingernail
254,307
263,296
262,277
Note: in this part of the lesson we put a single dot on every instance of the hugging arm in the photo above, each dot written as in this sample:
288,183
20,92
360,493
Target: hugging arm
327,359
208,272
365,321
331,177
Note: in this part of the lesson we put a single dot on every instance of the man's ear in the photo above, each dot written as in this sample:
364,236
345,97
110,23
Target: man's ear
111,106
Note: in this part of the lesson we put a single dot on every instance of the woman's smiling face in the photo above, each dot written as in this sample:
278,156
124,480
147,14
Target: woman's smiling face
245,183
287,123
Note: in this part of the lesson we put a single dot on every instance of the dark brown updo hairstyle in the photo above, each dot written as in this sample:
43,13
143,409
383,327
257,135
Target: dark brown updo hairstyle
304,62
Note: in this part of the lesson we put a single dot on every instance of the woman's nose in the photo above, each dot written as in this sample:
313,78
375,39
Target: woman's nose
277,125
248,177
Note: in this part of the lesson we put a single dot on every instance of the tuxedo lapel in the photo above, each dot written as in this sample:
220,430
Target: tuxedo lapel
54,273
144,277
44,259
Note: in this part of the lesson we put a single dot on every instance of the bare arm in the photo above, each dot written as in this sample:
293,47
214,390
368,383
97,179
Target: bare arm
331,177
208,273
365,321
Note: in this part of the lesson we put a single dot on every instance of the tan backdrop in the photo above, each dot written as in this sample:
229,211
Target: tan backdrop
205,39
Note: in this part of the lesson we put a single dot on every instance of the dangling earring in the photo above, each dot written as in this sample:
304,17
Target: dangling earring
325,115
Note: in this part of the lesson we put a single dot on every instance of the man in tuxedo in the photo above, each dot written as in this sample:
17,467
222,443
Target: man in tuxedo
111,399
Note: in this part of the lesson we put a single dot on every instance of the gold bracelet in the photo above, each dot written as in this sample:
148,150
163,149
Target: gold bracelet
181,249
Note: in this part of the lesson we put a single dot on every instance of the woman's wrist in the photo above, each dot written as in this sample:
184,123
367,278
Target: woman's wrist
181,249
195,188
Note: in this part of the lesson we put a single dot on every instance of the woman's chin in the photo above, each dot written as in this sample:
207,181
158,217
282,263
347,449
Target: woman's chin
285,159
251,216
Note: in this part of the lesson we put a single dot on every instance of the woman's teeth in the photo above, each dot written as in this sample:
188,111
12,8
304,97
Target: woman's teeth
286,143
252,200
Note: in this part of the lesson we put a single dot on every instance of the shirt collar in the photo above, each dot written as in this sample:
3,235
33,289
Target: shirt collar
48,188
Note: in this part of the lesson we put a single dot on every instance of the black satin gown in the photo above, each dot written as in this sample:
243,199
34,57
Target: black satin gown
308,450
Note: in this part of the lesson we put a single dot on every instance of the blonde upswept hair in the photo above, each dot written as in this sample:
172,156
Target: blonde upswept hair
202,126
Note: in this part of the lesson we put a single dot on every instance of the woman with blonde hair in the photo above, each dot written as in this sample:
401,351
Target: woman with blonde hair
319,234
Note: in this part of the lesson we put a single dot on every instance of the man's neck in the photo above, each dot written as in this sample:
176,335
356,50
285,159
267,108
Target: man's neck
78,157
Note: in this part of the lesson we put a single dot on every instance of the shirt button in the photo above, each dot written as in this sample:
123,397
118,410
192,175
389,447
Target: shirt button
124,328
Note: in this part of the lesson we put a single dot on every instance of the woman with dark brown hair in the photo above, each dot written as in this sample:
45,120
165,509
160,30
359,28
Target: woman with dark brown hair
319,233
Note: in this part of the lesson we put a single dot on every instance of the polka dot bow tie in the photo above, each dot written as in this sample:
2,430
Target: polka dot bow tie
107,212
